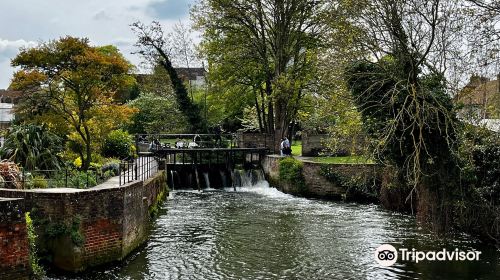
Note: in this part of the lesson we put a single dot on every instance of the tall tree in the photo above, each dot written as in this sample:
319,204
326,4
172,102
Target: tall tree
404,103
153,45
75,83
267,46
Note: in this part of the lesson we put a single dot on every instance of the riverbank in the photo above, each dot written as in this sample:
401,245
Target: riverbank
78,229
259,232
358,182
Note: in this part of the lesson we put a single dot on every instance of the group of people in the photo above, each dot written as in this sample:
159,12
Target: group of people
285,148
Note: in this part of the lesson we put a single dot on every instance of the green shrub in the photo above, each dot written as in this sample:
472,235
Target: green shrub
291,173
33,147
82,179
39,182
38,271
118,144
359,187
112,167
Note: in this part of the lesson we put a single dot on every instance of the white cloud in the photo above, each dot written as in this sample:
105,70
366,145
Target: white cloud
102,15
7,47
37,21
8,50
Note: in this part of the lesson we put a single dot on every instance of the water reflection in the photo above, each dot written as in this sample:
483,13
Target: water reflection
260,233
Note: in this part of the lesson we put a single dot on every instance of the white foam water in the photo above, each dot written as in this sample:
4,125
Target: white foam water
253,181
263,188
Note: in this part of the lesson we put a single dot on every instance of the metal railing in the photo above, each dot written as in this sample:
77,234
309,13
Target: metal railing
55,178
139,169
152,142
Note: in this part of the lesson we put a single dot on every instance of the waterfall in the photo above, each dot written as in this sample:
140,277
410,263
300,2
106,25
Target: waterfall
248,178
207,180
223,178
233,180
197,179
173,179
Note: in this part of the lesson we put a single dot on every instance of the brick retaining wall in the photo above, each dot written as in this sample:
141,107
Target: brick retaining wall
84,228
14,247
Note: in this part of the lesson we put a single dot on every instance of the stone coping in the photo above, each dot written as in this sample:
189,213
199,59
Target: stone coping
112,183
4,199
309,160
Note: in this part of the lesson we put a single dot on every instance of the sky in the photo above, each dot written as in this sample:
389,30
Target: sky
104,22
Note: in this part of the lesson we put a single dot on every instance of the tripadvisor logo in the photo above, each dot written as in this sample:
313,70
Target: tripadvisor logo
387,255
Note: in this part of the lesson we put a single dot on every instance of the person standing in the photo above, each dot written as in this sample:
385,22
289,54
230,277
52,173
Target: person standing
287,149
218,137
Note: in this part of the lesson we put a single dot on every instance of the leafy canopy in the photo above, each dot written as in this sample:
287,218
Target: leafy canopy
72,86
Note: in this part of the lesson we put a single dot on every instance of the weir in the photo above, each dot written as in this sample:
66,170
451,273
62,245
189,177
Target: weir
207,161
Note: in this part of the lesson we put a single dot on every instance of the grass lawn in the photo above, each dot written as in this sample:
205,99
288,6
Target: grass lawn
342,160
297,148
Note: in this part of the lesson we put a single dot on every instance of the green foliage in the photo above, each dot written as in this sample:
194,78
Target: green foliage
118,144
481,151
260,60
38,271
71,86
152,44
82,179
359,187
153,210
343,160
111,168
33,147
412,123
156,114
68,228
39,182
291,173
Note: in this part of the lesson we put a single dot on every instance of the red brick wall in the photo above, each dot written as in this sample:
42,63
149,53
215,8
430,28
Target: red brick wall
102,240
111,221
14,247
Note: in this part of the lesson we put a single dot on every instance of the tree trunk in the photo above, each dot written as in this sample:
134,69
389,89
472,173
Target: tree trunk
263,107
88,150
270,106
257,109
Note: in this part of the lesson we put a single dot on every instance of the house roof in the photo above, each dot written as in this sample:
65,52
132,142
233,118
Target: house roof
478,92
190,74
186,74
10,96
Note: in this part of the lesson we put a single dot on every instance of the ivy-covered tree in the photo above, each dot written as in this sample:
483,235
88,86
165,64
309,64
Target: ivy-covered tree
152,44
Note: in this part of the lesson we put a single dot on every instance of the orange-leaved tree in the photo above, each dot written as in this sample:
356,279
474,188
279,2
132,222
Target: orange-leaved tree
72,85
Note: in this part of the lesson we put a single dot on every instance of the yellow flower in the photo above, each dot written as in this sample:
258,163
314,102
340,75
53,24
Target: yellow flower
78,162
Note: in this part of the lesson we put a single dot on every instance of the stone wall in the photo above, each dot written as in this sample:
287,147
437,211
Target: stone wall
78,229
256,140
312,144
317,185
14,247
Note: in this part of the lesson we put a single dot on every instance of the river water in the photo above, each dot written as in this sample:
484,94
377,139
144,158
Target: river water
261,233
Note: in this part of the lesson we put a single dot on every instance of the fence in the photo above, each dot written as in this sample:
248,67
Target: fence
56,178
141,168
152,142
